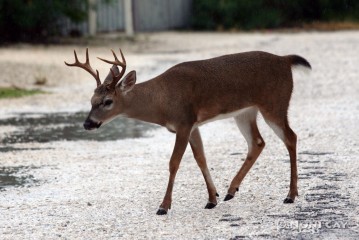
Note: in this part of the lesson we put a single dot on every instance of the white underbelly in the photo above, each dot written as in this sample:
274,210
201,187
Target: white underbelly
226,115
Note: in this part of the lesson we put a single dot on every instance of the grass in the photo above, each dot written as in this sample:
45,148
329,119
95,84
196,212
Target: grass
14,92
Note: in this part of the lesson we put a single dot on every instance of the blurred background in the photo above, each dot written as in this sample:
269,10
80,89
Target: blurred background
46,20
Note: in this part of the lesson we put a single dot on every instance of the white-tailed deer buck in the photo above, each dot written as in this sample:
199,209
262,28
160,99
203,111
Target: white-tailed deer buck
193,93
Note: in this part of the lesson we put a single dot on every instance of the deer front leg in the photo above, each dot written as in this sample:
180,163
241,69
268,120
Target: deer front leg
182,137
198,153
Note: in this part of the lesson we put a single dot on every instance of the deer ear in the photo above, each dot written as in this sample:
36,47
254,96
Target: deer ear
115,70
128,82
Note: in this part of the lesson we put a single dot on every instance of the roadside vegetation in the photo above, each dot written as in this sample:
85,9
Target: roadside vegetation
39,21
274,14
15,92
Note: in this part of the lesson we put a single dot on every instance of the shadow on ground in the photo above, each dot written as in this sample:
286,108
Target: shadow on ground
34,127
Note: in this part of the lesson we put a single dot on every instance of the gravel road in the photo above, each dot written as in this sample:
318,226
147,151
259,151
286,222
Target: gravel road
111,189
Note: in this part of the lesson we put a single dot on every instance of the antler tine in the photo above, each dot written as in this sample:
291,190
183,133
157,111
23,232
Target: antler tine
76,59
118,63
114,55
86,66
87,57
123,63
73,64
123,58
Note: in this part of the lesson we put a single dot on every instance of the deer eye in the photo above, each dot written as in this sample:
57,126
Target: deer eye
108,102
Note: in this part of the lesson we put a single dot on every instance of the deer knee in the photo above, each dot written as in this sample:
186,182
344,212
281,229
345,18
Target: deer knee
259,142
173,167
255,147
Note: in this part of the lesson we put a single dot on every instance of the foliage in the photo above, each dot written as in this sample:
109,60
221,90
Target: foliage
36,20
17,92
254,14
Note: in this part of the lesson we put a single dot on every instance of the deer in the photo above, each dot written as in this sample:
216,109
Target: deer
193,93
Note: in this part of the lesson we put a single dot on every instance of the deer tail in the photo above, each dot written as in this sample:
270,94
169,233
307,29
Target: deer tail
296,60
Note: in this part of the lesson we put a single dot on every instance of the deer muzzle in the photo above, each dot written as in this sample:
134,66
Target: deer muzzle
90,125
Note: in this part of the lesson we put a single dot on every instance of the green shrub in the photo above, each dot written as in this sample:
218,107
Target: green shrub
36,20
254,14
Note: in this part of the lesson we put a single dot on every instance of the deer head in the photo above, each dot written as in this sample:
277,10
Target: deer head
107,100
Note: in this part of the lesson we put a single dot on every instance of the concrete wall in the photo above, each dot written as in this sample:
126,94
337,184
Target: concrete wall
148,15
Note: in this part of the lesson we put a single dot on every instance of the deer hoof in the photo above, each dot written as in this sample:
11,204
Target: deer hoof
210,205
161,211
228,197
288,200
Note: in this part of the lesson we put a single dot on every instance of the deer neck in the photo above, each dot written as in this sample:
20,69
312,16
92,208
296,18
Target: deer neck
141,103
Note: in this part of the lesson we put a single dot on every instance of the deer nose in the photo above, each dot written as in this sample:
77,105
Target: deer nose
89,124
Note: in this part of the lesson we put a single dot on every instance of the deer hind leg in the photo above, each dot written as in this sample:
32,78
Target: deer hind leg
281,128
247,124
198,153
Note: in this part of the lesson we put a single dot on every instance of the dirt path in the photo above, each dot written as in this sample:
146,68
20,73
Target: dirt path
84,189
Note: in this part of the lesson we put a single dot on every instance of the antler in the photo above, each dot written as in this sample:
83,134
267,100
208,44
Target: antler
86,65
118,63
